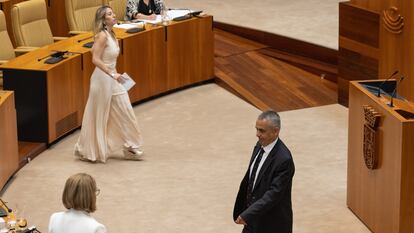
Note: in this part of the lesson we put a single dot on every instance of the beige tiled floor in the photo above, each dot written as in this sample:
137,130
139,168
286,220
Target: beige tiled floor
314,21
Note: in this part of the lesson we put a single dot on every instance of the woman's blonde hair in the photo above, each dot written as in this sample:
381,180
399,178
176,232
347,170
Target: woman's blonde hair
80,193
100,19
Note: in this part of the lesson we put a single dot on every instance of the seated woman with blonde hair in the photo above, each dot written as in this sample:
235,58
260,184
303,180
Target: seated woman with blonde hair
79,198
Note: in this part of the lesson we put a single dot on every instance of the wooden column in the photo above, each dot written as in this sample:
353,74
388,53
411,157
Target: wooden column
56,15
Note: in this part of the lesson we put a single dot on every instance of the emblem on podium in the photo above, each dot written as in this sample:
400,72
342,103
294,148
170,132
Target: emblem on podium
372,119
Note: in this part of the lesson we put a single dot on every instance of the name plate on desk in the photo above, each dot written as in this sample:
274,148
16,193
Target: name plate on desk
135,30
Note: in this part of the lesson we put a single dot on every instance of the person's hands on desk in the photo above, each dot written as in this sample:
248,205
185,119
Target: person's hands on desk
147,17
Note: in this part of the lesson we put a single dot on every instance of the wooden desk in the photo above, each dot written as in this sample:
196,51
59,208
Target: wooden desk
87,67
161,59
9,156
50,99
190,49
143,58
383,197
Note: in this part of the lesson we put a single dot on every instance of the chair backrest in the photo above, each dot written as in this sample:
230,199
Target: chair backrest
30,25
6,46
81,13
119,8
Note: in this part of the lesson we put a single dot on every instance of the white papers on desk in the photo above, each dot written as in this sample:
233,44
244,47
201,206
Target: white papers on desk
178,13
171,14
127,81
129,25
155,21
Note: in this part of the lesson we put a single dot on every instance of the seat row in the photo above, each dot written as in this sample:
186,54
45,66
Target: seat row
31,28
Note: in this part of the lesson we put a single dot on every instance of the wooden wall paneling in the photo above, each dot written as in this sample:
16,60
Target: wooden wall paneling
143,58
56,15
407,181
374,5
390,54
9,157
181,53
204,65
87,66
74,45
405,48
396,50
156,54
358,57
367,31
65,104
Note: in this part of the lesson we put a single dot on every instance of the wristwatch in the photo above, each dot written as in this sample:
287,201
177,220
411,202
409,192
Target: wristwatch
113,74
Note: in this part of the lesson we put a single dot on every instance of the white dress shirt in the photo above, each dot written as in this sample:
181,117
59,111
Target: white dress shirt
74,221
267,150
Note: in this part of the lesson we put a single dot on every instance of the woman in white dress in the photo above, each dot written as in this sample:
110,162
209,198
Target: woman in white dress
79,198
109,123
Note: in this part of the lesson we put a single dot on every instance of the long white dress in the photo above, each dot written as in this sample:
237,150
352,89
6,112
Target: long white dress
109,123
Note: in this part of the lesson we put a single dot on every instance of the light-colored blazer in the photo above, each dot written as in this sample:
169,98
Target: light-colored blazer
74,221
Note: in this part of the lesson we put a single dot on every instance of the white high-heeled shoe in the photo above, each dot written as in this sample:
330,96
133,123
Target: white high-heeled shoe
132,153
81,158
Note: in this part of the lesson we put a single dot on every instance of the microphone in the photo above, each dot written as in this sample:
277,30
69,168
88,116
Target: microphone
394,92
184,17
4,204
31,229
382,84
86,38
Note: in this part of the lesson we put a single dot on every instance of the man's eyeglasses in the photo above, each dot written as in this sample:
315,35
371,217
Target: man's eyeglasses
97,191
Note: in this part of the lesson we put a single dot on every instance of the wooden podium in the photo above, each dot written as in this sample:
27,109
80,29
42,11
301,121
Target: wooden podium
9,156
380,188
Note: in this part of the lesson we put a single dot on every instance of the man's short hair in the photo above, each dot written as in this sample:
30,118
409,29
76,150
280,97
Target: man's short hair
271,116
80,193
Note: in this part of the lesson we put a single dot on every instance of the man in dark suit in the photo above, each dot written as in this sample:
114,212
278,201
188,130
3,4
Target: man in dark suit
263,203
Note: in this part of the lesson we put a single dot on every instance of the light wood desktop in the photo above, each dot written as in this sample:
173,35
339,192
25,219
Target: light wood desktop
48,96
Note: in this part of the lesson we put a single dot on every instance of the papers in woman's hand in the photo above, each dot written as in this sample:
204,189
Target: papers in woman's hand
127,81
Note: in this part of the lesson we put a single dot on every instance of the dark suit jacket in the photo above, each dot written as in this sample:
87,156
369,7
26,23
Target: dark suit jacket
271,210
